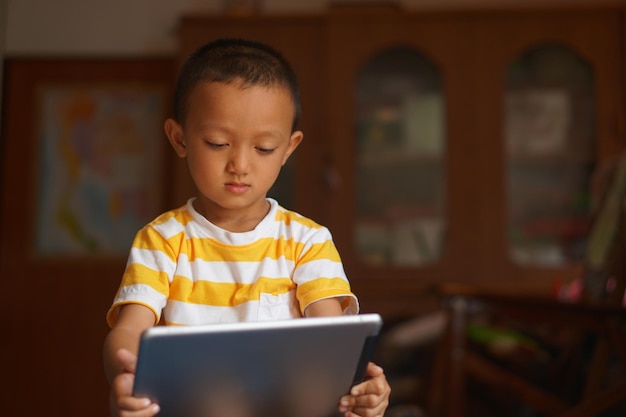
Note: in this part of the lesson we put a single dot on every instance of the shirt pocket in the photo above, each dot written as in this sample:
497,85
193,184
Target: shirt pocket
278,307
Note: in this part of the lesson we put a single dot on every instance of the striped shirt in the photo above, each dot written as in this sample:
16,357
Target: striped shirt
190,272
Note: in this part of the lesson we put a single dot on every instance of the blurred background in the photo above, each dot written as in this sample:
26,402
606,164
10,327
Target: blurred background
467,156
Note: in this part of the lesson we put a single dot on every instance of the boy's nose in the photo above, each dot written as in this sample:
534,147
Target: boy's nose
239,162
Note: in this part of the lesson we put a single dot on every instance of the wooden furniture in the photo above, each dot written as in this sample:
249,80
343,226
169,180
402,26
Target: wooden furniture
473,51
471,54
600,328
577,341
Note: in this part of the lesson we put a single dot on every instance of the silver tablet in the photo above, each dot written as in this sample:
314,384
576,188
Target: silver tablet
291,368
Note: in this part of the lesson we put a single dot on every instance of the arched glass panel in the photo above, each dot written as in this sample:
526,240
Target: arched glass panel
549,131
399,171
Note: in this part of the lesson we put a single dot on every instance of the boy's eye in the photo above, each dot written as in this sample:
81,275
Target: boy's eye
216,145
265,150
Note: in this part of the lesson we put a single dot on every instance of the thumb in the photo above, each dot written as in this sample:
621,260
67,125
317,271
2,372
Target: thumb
374,370
127,360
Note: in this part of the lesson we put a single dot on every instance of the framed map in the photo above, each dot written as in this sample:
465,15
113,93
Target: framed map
97,149
99,157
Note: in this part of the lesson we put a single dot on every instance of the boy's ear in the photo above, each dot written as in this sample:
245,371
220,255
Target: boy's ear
174,132
294,141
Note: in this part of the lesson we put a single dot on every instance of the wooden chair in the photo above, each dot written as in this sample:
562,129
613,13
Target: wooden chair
458,361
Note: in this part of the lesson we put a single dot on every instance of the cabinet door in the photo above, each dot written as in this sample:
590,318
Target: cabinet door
550,102
475,57
300,183
403,206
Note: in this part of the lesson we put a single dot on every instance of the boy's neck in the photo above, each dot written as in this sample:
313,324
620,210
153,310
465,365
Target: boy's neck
236,221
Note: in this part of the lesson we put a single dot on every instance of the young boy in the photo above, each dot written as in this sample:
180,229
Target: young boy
231,254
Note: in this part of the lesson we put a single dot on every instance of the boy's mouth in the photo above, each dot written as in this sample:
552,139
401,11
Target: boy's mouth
236,187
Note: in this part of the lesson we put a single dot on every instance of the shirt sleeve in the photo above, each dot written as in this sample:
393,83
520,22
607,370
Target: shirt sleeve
149,270
319,274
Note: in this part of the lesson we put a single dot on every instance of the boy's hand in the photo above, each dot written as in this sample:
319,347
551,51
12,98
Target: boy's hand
370,398
122,402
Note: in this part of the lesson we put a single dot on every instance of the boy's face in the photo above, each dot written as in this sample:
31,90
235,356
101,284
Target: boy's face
235,140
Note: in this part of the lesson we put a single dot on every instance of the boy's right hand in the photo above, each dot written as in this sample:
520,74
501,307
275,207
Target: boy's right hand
122,402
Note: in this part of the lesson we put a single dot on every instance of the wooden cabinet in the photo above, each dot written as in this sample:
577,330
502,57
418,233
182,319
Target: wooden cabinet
476,109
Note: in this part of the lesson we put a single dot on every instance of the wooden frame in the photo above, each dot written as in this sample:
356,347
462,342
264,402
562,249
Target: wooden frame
82,136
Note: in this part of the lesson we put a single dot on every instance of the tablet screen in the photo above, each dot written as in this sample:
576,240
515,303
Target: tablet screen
291,368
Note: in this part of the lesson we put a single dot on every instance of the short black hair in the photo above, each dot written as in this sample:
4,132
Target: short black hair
228,60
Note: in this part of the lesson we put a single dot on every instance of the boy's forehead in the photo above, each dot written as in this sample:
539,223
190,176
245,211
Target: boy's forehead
208,87
223,97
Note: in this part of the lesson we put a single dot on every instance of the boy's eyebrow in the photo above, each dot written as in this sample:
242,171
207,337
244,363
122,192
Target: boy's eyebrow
271,134
207,126
212,126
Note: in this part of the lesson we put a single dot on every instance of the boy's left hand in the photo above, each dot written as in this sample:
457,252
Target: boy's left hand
369,398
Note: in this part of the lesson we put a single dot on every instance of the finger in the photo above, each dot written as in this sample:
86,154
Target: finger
369,405
364,405
364,413
127,359
378,410
376,385
146,412
367,401
372,373
373,370
369,398
122,395
346,403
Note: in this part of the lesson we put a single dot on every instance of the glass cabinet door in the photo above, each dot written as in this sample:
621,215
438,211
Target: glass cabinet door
400,131
463,146
549,138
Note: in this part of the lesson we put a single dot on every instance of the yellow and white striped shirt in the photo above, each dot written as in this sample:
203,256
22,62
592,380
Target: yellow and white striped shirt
189,271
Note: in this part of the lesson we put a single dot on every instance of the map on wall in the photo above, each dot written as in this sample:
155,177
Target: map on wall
99,168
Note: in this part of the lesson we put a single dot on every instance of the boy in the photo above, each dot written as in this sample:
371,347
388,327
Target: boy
231,253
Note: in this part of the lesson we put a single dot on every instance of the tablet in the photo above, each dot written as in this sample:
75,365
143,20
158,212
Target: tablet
289,368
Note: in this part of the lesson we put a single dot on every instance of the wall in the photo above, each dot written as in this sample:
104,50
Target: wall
148,27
